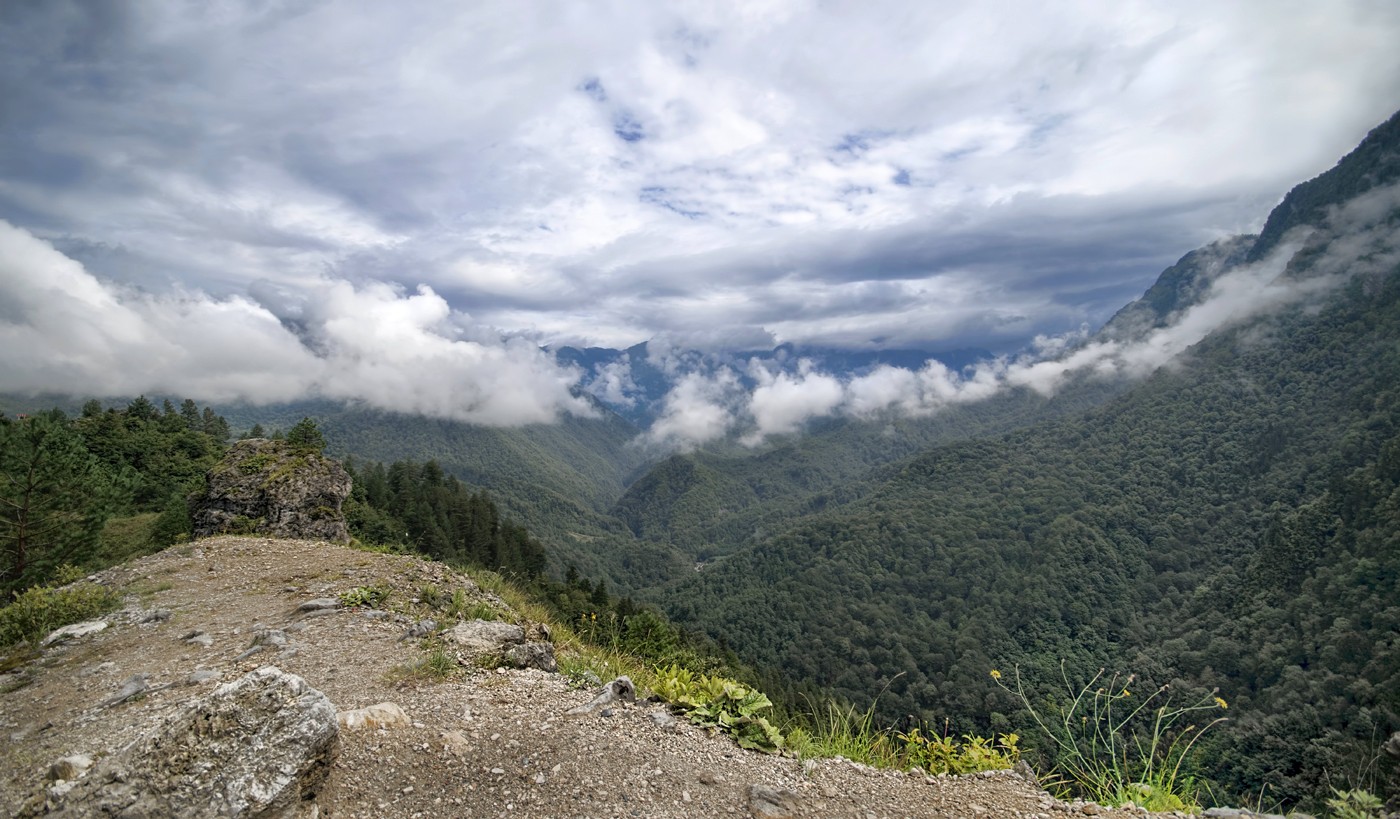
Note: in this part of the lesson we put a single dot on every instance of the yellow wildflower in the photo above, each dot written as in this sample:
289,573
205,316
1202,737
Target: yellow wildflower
996,675
1126,693
1222,703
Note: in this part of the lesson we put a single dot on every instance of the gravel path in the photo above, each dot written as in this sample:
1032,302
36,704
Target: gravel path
483,743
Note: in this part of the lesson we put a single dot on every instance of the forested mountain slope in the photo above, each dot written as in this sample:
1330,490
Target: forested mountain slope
558,480
1232,523
710,502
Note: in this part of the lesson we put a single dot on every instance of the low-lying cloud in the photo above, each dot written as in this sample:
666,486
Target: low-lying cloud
63,330
1358,238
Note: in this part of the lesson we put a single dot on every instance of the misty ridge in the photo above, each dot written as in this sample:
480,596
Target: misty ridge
372,344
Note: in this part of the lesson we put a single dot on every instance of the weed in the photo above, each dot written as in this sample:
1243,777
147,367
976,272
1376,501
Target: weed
435,665
1113,747
716,702
368,596
432,596
843,731
1354,804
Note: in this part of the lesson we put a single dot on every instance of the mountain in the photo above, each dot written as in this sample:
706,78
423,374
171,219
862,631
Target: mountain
1229,524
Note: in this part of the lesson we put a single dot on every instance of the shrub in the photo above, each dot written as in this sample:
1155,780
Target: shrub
41,609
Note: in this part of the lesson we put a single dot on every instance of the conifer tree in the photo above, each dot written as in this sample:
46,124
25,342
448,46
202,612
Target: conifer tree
306,437
54,498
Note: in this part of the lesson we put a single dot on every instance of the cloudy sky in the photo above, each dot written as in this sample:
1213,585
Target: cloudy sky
268,199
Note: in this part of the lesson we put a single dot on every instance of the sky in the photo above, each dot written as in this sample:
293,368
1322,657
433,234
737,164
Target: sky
401,203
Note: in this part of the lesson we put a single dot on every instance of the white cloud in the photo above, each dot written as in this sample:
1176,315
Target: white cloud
700,408
1357,238
782,403
455,145
62,329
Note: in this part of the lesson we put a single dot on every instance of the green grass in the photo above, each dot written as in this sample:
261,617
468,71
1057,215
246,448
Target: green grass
833,730
1112,745
435,665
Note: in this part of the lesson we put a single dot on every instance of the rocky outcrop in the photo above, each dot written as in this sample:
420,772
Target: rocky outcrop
271,488
257,747
503,643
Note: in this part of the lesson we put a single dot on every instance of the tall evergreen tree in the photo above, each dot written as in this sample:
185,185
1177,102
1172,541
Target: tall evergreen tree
54,498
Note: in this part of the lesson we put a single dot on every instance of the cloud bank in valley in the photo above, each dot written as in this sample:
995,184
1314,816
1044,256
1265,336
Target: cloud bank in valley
61,329
1358,238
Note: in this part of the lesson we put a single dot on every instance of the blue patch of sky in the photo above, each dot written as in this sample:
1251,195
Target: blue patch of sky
661,197
691,42
1044,128
593,87
627,128
902,178
954,156
858,142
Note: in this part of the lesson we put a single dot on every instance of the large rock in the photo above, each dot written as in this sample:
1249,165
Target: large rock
485,636
271,488
257,747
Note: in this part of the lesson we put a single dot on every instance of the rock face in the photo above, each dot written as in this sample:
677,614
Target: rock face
270,488
257,747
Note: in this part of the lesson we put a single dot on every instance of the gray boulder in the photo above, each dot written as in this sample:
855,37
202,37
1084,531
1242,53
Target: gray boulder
257,747
485,636
531,655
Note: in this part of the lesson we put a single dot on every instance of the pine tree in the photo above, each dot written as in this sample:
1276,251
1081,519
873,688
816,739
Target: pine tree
189,411
54,498
306,437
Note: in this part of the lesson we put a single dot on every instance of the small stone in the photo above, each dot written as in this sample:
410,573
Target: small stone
663,719
531,655
320,604
1089,809
766,802
69,768
73,631
201,675
456,742
422,628
135,684
383,715
198,638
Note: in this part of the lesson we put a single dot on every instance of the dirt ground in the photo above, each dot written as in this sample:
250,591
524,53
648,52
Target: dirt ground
482,743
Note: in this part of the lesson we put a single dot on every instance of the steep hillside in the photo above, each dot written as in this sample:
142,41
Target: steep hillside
1229,523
